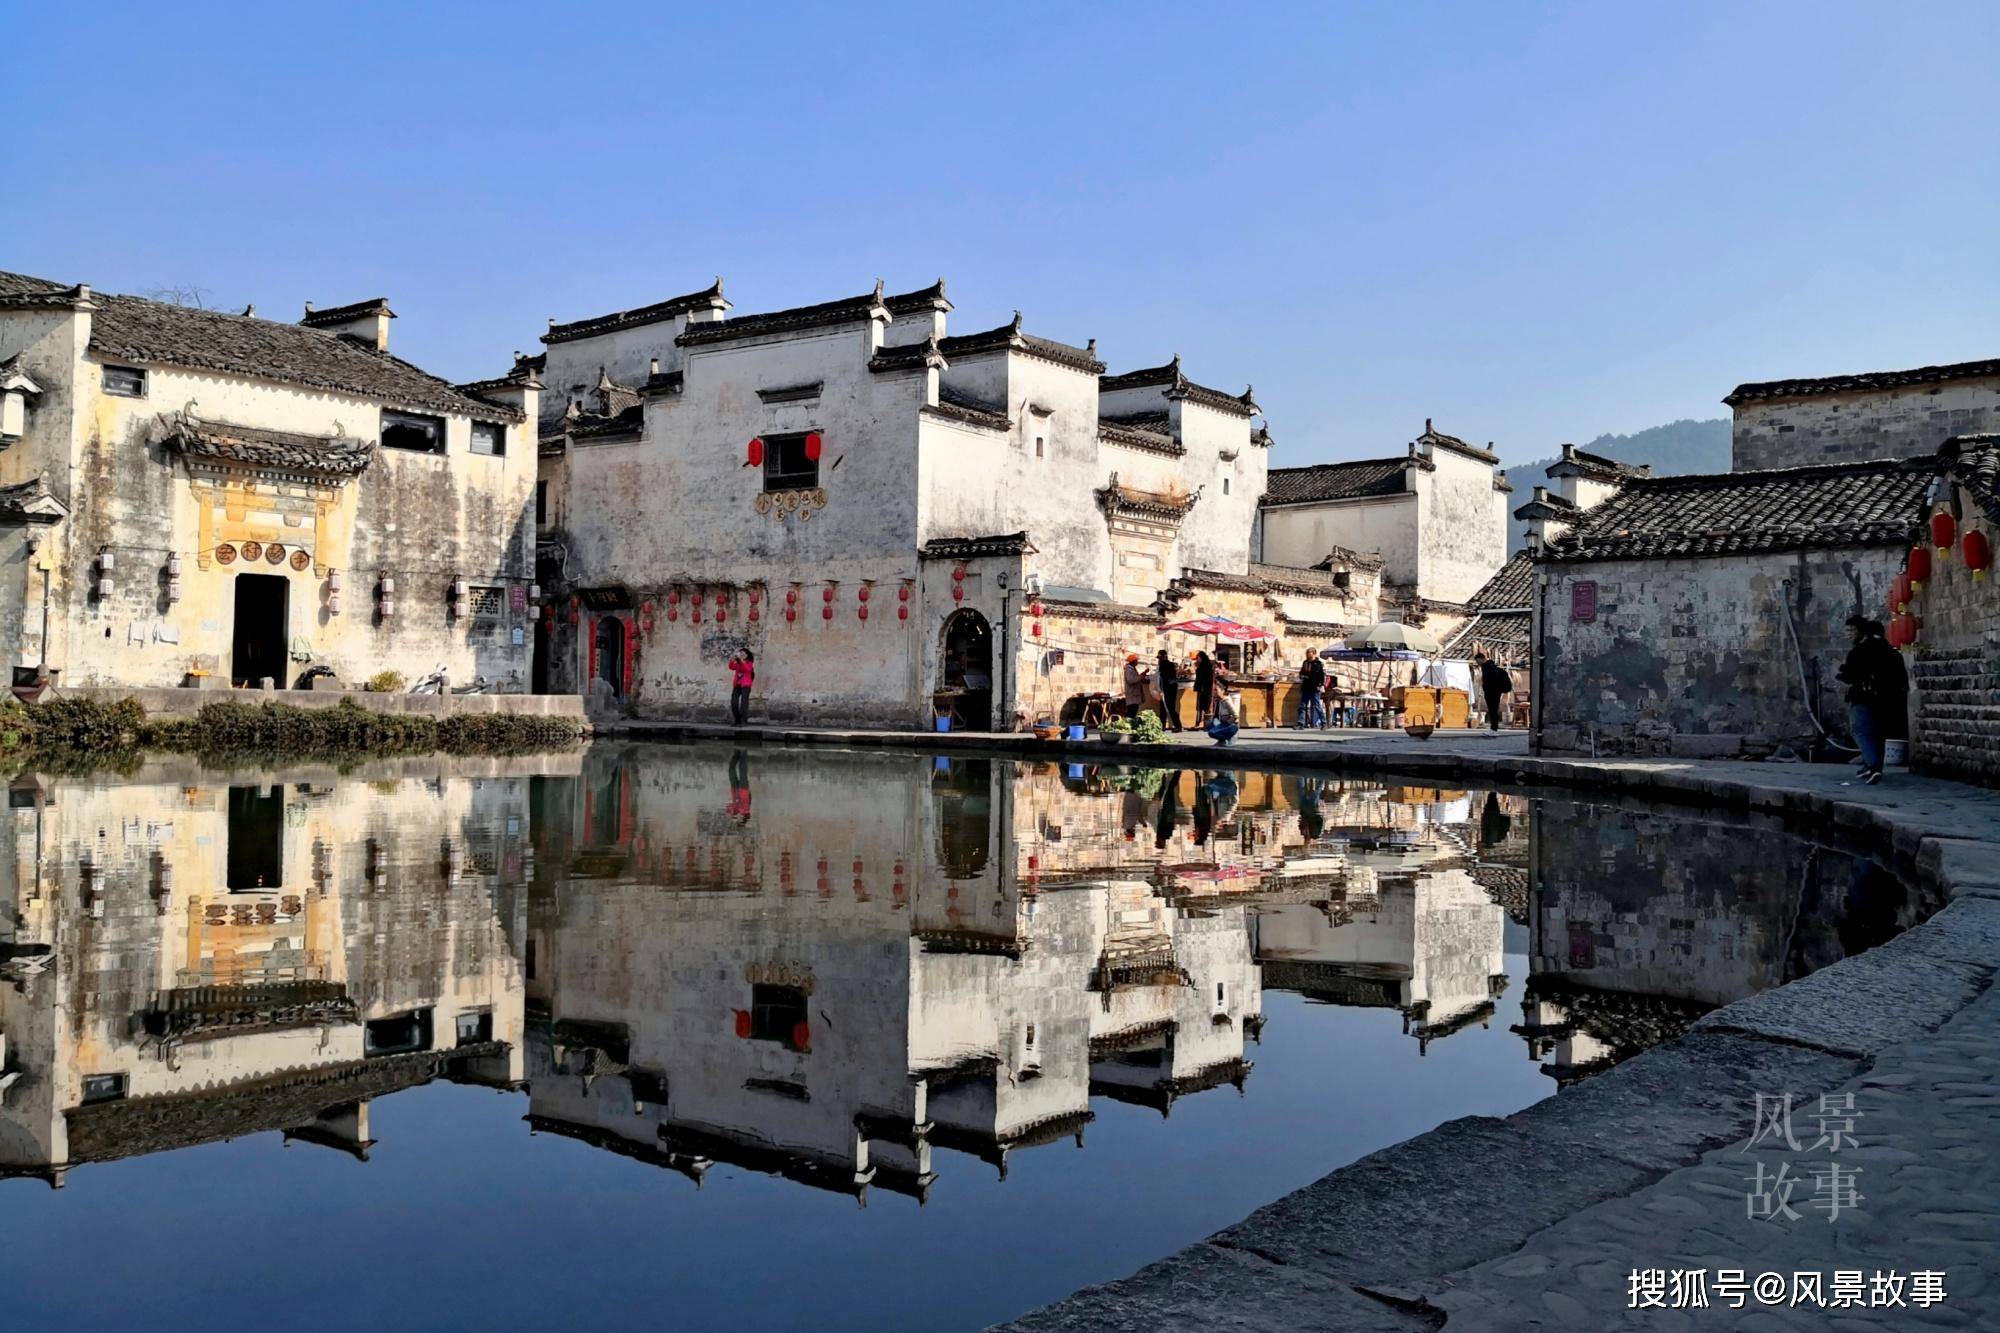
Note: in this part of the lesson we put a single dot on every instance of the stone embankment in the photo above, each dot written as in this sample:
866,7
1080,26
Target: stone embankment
1538,1219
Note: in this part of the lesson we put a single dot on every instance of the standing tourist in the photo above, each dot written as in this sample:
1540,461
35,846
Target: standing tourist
742,675
1877,692
1312,678
1204,688
1169,679
1137,681
1495,683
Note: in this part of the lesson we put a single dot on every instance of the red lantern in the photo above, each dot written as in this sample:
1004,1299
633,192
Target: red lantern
958,574
757,451
695,616
721,614
826,594
812,446
1920,567
863,613
791,613
694,599
862,594
673,597
743,1023
902,613
957,593
1944,531
673,614
1978,553
1038,629
903,593
826,613
1899,593
1905,629
1035,610
753,613
756,596
802,1037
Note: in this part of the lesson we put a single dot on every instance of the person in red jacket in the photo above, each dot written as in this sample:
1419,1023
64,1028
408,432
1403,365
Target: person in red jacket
742,675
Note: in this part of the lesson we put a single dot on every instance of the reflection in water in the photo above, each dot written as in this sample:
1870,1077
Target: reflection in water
846,970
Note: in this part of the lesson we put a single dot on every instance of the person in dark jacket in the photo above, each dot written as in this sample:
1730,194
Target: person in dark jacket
1168,678
1312,679
1877,692
1496,684
1204,688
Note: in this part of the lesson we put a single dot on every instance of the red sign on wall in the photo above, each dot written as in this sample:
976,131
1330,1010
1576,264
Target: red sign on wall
1583,601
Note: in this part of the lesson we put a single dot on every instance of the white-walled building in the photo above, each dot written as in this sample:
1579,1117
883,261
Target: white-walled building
1436,516
188,495
892,517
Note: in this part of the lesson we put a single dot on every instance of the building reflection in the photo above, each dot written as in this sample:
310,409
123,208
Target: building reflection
1643,920
856,971
192,956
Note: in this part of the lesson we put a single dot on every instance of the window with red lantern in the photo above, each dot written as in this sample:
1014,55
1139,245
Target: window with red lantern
778,1013
791,462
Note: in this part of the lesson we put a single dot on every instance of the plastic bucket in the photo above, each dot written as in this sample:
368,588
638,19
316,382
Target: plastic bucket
944,724
1895,754
1075,733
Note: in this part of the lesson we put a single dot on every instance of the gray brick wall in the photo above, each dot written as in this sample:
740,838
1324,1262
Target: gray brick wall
1955,728
1852,427
1693,657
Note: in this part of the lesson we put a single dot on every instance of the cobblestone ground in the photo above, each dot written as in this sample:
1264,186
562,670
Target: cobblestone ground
1926,1157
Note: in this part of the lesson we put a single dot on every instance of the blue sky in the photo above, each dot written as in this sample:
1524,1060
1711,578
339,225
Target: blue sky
1532,223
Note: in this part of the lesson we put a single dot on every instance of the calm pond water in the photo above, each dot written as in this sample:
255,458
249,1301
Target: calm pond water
791,1039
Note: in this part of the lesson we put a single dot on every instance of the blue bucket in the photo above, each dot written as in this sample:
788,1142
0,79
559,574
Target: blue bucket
944,724
1076,733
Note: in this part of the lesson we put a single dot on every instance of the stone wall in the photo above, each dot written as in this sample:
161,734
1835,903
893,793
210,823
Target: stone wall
1955,724
1694,656
1849,427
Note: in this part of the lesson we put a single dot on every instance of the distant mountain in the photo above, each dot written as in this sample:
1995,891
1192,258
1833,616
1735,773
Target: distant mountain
1675,448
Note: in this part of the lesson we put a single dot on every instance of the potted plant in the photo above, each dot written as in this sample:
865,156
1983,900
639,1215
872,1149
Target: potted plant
1118,731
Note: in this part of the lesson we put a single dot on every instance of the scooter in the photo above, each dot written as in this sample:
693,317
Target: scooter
431,684
479,685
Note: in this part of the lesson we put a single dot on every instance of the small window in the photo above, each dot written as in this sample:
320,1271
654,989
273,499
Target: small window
475,1028
489,438
103,1088
541,504
1041,444
1225,485
1343,580
398,1034
485,603
778,1013
411,431
1031,1036
786,467
125,381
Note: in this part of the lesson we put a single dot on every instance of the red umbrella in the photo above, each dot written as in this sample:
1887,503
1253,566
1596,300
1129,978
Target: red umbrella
1218,628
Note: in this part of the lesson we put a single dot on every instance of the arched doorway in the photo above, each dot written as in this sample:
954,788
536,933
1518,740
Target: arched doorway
965,670
608,650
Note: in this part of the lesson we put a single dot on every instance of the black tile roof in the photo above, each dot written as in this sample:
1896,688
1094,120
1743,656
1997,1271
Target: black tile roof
1337,481
827,313
1296,579
345,314
1009,337
971,411
673,307
1735,513
1973,461
1582,463
1151,431
1508,589
1170,378
1435,438
968,548
1866,382
131,328
927,298
279,450
28,499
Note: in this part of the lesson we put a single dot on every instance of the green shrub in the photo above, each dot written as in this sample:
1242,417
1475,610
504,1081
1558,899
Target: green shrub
1147,728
